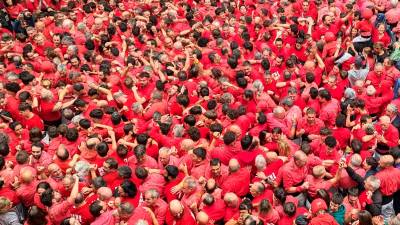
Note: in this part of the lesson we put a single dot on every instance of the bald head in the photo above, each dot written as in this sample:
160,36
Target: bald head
271,156
236,129
175,206
234,165
300,155
386,161
309,65
26,175
300,158
187,144
318,171
104,193
231,199
202,218
279,112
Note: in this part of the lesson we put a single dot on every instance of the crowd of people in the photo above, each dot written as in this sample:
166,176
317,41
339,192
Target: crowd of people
236,112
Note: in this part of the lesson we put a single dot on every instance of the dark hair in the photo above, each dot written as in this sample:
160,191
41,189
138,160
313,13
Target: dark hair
289,208
229,137
364,218
325,94
124,172
246,141
330,141
280,194
337,198
46,198
129,188
95,208
141,173
36,216
200,152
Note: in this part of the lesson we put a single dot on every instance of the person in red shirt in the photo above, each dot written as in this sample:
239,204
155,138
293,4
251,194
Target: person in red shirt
319,213
60,209
213,207
309,126
329,108
179,214
292,175
238,180
389,180
387,135
30,119
153,201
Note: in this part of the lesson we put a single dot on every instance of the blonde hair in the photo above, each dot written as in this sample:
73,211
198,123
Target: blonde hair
4,204
283,147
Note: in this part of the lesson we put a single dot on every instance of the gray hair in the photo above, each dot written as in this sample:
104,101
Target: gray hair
163,149
67,40
156,95
191,182
82,168
257,84
137,107
260,162
126,208
141,222
4,138
374,182
226,98
11,76
392,108
178,130
278,110
61,67
356,160
81,26
73,48
349,93
287,102
153,193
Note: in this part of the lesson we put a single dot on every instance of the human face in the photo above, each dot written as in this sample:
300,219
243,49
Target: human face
328,20
18,129
106,167
164,158
381,29
75,62
67,184
172,90
143,81
36,152
149,199
331,82
57,172
168,42
384,125
367,185
179,214
39,39
73,221
24,113
334,207
56,40
311,118
378,70
40,190
353,199
300,162
216,170
306,6
279,44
